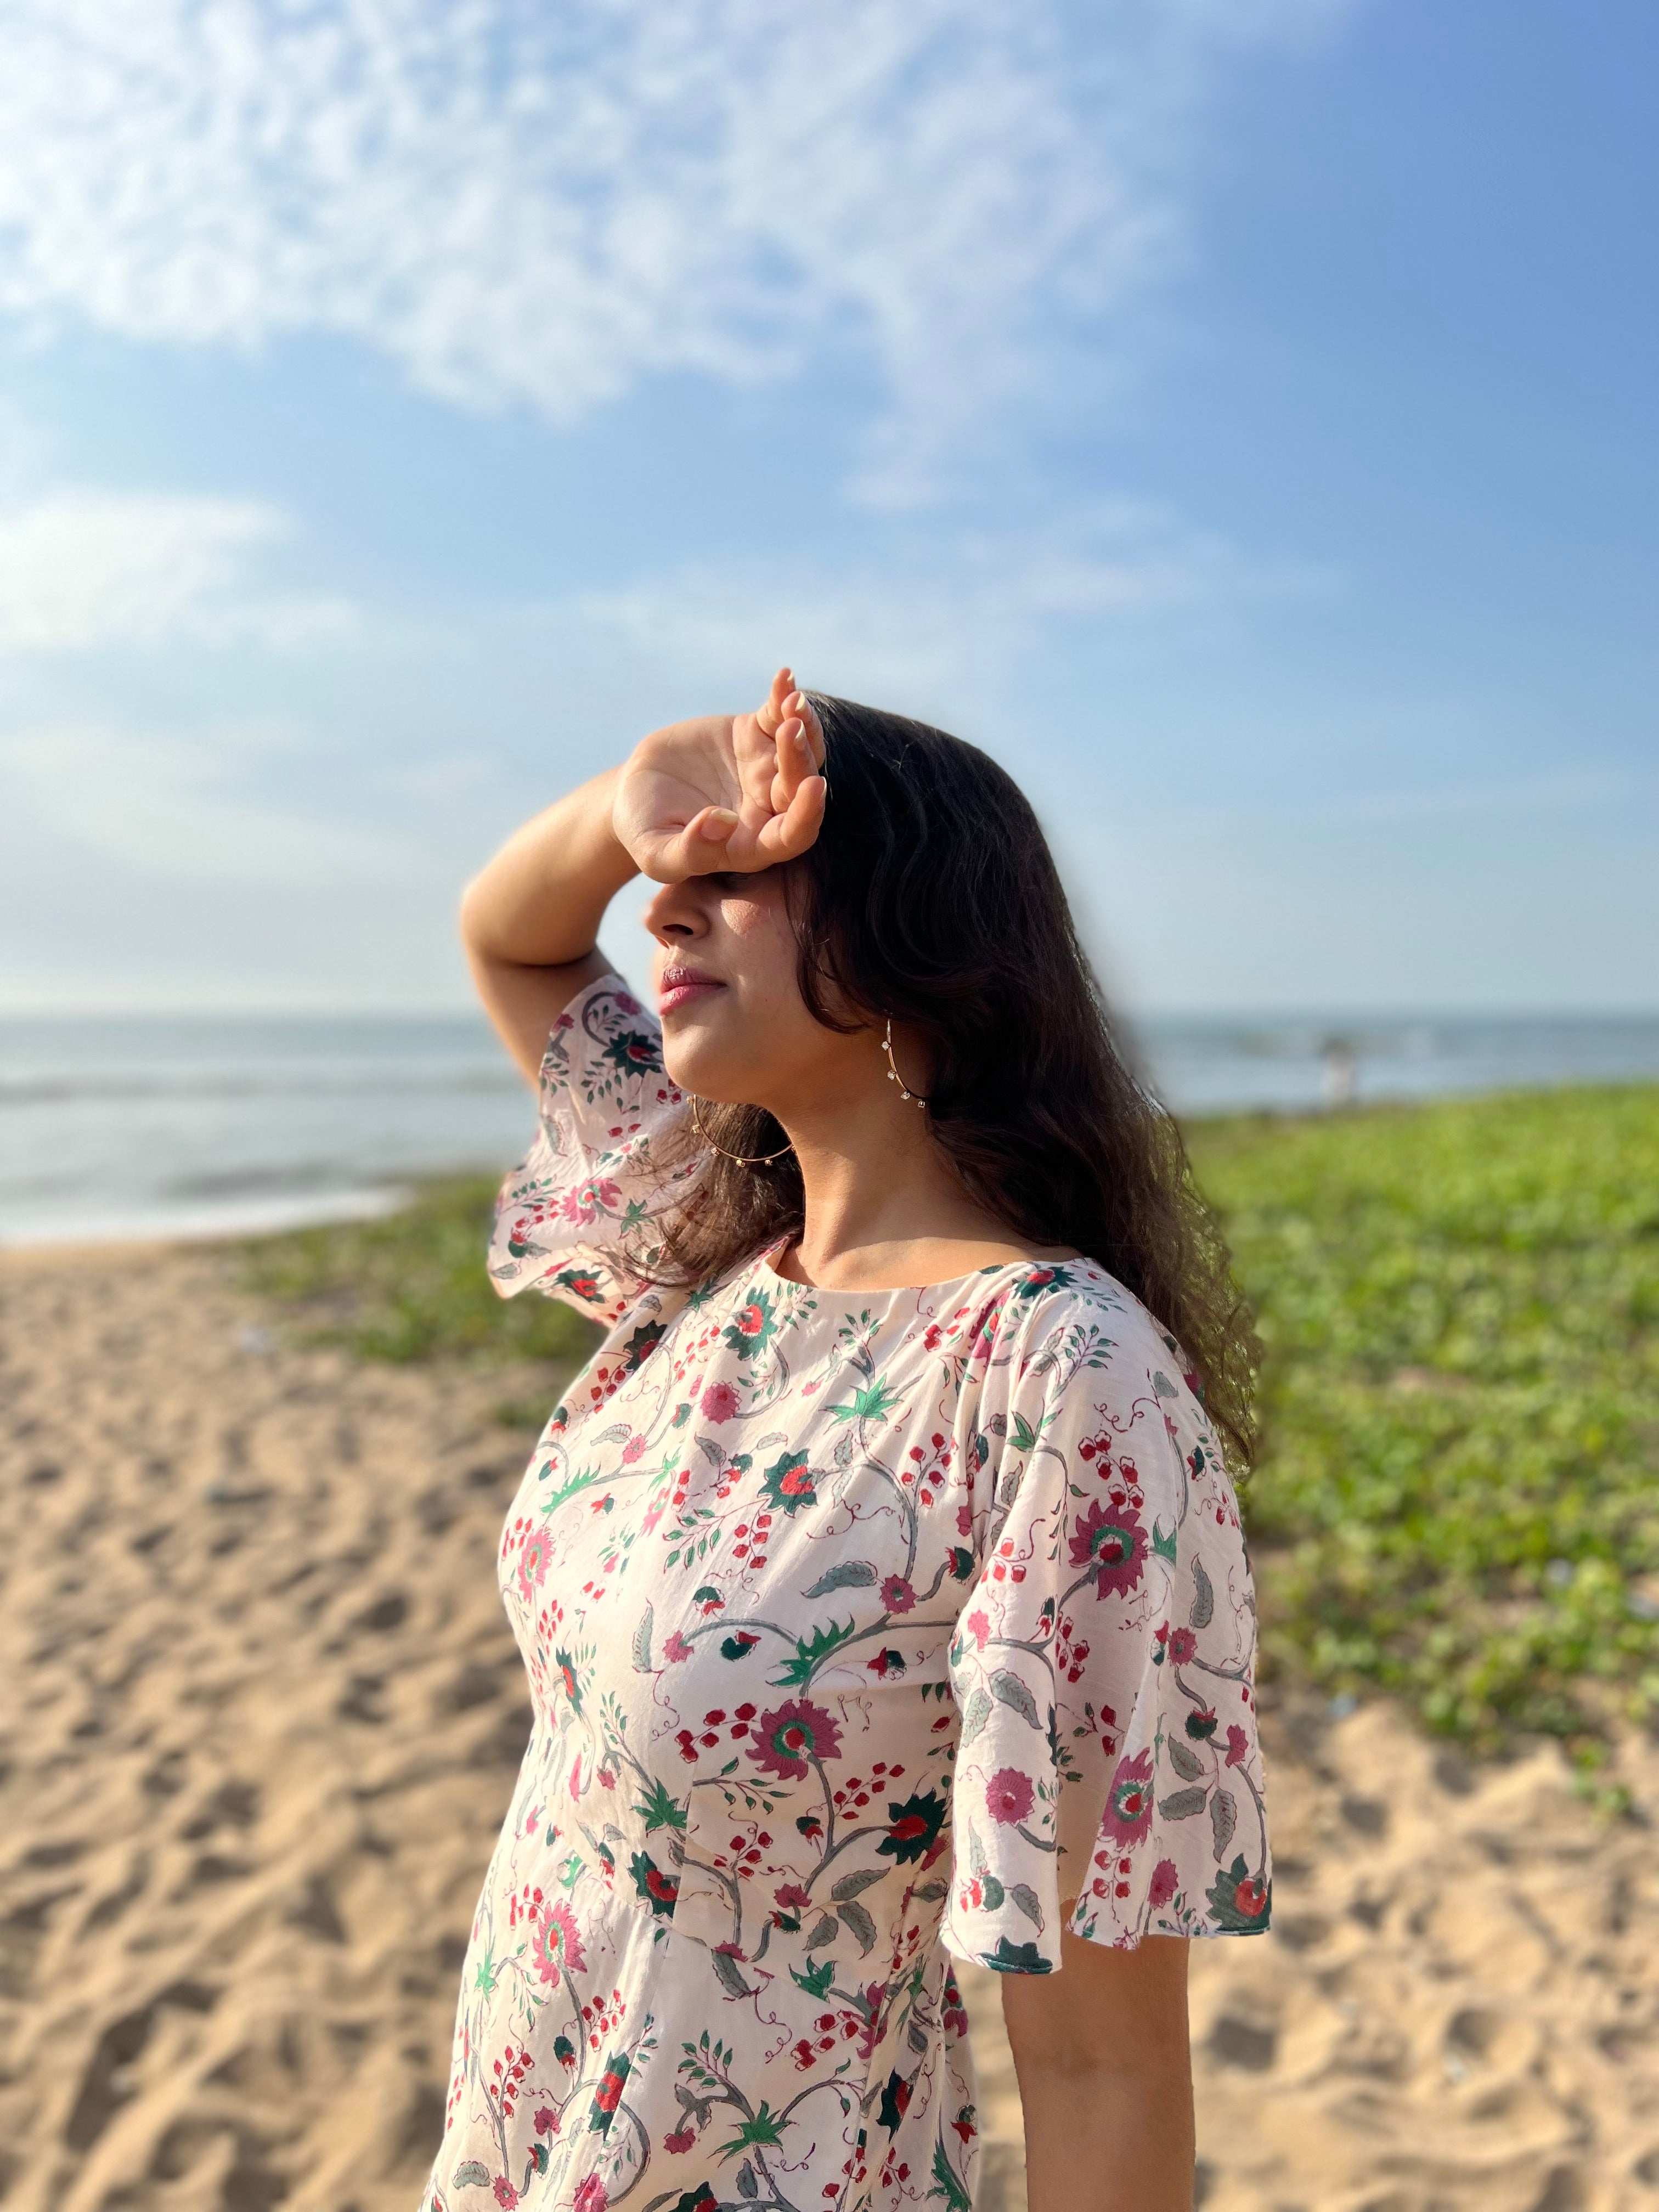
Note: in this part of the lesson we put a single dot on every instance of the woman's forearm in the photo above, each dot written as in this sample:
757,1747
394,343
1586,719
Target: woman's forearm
1117,2140
539,903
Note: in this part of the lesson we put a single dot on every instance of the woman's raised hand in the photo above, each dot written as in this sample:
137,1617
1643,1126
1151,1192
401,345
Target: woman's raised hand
725,792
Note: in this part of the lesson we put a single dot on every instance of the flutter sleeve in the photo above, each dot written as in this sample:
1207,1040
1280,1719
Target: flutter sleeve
576,1217
1103,1662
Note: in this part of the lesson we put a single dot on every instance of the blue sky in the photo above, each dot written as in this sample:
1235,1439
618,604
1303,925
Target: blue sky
1240,418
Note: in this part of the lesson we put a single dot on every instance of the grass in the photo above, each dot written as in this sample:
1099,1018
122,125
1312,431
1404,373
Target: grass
1459,1497
411,1285
1458,1502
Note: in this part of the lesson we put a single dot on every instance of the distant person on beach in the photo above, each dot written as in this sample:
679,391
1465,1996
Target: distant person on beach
880,1578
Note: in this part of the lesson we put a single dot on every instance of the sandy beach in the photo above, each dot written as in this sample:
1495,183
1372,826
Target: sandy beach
262,1717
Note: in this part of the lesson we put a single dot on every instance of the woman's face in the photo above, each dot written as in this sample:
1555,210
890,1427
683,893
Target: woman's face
735,1027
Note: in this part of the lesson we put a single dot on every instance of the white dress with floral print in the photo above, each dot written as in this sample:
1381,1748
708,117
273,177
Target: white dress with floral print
863,1628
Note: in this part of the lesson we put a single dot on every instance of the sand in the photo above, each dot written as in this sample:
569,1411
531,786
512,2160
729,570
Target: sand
261,1718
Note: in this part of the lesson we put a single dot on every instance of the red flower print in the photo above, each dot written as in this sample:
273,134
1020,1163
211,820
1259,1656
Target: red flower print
792,1897
1251,1899
608,2095
1163,1884
533,1556
556,1943
682,2139
1129,1802
751,1320
675,1648
1112,1540
720,1403
1008,1795
896,1594
790,1735
506,2193
547,2121
592,2196
1238,1746
1183,1646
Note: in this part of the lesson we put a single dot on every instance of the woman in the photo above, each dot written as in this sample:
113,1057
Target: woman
880,1579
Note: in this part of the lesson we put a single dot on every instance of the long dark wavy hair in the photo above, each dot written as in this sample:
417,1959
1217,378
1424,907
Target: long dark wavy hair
930,894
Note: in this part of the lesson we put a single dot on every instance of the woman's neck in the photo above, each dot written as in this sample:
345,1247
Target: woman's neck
884,1209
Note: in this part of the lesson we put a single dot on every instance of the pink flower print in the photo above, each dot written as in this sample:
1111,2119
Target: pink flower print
1183,1645
547,2121
1008,1795
584,1205
682,2139
675,1648
555,1945
964,1520
1111,1539
591,2196
533,1556
634,1449
626,1006
792,1897
896,1594
1238,1746
1129,1802
1163,1884
790,1735
720,1403
978,1628
506,2194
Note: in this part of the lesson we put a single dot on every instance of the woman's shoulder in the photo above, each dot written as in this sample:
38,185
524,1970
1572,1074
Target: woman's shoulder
1076,1324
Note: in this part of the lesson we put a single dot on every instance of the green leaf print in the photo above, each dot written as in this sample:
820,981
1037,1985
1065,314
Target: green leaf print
816,1979
946,2186
760,2131
811,1652
1008,1690
862,1926
846,1574
660,1810
643,1641
871,1405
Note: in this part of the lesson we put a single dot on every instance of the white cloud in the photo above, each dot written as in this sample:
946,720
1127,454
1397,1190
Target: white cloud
958,605
89,568
187,808
548,203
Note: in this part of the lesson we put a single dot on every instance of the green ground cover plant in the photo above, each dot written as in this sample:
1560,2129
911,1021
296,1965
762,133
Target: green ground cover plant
411,1285
1458,1497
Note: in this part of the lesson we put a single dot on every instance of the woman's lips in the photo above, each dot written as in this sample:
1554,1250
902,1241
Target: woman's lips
680,986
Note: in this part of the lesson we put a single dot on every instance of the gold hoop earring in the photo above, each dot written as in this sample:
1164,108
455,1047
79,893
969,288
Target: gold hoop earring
760,1160
893,1075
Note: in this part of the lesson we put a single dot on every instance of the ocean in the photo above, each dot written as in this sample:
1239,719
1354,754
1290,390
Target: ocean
132,1127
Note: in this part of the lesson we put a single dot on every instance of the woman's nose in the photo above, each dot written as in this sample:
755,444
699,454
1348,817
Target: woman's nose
675,915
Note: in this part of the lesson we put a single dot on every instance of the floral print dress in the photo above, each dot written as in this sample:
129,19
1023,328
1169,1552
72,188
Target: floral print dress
864,1630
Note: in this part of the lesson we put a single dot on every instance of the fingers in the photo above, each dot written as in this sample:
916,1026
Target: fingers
795,762
801,708
772,712
787,834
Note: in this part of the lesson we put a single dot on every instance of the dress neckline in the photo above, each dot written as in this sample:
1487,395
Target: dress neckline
765,1262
